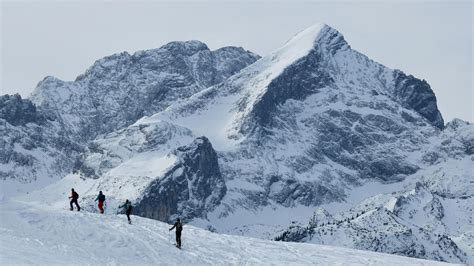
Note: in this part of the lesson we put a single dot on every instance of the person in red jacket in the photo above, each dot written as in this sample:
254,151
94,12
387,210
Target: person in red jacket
101,199
74,196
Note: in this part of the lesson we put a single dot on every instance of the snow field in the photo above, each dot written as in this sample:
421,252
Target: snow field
38,234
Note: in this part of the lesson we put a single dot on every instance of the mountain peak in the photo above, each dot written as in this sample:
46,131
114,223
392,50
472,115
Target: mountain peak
318,35
307,35
187,47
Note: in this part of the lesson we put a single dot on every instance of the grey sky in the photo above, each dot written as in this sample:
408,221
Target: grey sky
431,40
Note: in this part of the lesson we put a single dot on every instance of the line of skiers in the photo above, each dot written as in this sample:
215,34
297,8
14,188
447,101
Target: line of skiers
101,199
127,206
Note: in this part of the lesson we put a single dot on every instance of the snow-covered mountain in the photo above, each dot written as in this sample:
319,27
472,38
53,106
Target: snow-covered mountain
429,215
312,133
44,134
119,89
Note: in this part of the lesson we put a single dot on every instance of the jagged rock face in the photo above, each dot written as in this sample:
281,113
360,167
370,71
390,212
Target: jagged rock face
190,189
288,191
417,95
119,89
301,79
18,112
32,145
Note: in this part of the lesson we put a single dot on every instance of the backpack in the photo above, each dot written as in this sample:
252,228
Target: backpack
75,195
179,227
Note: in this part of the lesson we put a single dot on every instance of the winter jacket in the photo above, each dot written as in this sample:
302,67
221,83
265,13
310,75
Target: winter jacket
127,205
100,197
179,227
74,195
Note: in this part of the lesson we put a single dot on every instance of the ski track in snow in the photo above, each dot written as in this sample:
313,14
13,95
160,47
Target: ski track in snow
32,233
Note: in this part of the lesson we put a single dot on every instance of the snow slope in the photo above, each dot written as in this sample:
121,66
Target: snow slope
34,233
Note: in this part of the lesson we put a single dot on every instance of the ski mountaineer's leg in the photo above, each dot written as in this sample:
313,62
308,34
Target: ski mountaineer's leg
101,207
128,216
77,205
70,203
178,239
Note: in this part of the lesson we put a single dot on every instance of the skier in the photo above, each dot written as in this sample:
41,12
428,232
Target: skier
128,209
179,228
101,199
74,196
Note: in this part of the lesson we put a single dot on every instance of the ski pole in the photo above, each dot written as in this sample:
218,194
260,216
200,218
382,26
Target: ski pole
169,237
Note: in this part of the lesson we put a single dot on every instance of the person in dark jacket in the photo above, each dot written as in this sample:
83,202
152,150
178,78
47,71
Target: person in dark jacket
74,196
101,199
179,228
128,209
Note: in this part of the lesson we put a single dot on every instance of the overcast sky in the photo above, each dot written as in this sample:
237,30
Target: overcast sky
431,40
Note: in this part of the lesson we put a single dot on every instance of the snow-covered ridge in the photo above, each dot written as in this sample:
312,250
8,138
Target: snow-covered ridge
39,234
119,89
273,65
320,49
241,92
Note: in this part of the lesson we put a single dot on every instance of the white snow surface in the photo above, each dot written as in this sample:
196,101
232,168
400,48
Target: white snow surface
40,234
